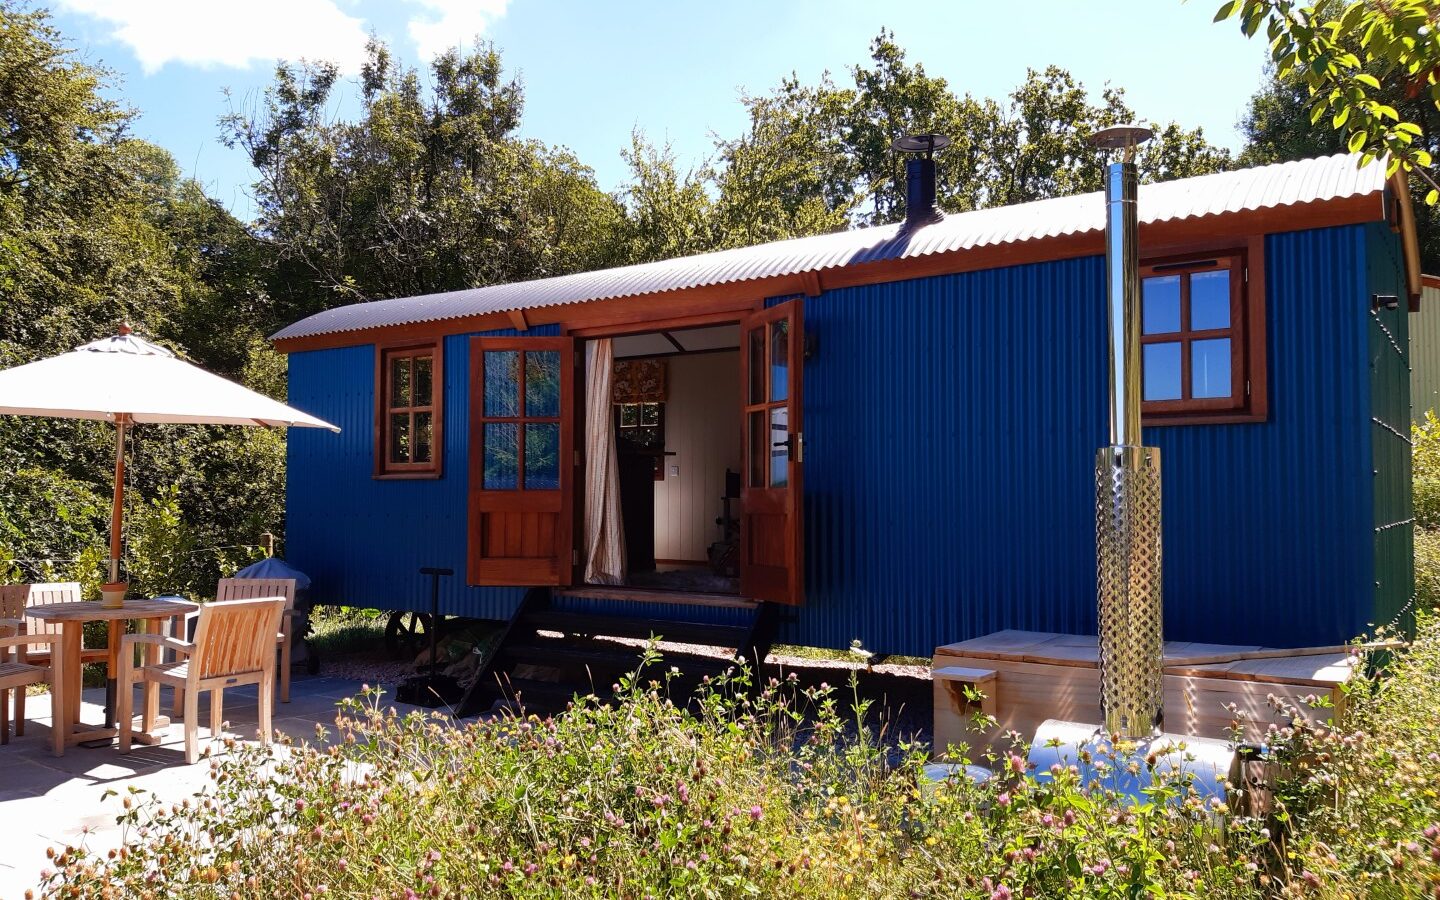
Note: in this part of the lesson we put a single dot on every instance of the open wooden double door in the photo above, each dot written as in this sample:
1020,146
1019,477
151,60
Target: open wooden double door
525,467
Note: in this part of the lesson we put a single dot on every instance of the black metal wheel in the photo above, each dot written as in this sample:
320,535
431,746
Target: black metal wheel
407,633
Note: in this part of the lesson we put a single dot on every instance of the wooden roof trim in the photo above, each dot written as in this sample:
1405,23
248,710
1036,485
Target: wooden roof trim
739,297
1409,239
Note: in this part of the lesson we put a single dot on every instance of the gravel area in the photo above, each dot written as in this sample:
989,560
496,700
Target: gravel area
369,667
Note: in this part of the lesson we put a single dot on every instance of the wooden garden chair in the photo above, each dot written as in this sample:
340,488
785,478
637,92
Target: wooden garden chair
17,673
245,589
234,645
14,598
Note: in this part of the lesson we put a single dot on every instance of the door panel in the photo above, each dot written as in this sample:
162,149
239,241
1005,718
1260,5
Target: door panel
521,461
771,523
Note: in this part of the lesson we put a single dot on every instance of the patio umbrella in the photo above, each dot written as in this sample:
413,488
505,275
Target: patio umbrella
127,380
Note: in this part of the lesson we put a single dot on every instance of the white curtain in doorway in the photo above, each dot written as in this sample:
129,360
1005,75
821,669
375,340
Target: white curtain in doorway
604,531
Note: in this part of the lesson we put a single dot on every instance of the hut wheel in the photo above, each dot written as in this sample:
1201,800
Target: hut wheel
407,633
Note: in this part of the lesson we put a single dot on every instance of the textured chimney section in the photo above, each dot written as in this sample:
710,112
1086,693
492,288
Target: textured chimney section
1127,481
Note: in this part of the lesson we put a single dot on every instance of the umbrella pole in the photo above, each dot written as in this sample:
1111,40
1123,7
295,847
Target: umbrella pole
116,516
122,420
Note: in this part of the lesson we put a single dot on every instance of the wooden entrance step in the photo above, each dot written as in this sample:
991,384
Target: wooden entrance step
643,595
556,651
642,627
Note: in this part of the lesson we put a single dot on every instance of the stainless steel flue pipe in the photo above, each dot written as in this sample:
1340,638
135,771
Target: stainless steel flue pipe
1127,479
1122,283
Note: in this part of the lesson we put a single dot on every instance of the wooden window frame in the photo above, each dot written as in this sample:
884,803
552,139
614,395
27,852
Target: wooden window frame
1248,401
384,468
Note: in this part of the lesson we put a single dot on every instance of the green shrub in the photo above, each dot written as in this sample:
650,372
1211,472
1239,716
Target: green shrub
779,793
1427,501
48,522
1425,447
1361,811
1427,568
776,794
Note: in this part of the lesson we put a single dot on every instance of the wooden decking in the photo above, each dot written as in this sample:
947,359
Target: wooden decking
1042,675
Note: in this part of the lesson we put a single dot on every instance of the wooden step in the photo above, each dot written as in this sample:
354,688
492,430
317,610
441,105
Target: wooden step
642,595
965,675
684,632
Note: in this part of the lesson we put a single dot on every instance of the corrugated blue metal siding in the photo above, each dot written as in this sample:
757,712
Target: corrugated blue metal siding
360,539
951,425
1389,349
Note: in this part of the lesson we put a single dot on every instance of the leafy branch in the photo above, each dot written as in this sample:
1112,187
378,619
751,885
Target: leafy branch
1345,61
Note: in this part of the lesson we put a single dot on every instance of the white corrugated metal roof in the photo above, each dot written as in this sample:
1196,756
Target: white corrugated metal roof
1263,187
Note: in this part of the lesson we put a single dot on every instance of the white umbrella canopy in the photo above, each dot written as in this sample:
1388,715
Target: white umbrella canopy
124,380
130,379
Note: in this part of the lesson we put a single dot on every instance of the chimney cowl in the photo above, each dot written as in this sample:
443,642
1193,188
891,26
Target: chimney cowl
920,207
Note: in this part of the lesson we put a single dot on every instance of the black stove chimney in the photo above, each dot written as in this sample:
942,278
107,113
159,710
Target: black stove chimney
920,208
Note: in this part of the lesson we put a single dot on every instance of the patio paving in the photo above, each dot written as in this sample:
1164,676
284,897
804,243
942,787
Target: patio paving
48,801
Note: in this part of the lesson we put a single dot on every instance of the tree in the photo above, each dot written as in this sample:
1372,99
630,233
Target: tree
817,158
1354,62
96,228
428,190
1031,148
669,214
1277,128
789,174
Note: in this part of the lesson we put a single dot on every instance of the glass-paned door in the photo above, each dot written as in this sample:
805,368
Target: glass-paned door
771,526
521,460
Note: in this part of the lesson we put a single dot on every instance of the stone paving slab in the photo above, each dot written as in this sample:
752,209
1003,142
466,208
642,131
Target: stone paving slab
47,801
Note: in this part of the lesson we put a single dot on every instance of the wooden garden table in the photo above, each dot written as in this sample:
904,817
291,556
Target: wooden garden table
150,613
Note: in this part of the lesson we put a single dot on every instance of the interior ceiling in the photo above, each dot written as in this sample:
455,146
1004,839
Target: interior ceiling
690,340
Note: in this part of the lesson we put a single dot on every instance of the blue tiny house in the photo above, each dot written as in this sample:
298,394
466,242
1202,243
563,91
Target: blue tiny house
911,413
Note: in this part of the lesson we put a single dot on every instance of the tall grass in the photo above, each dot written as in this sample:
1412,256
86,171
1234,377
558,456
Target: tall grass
770,793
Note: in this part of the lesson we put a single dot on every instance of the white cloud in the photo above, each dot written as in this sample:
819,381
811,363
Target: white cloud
446,23
230,34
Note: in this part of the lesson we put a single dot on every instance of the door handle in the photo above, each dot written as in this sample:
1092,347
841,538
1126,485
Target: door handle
794,445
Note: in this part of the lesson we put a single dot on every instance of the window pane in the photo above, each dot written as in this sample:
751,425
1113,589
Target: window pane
1161,371
502,466
542,384
399,437
779,456
779,359
424,437
1209,300
649,415
1160,304
757,365
759,450
502,383
399,382
629,415
1210,368
542,456
422,380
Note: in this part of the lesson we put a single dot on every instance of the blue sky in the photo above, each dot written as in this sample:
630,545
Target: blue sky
593,71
